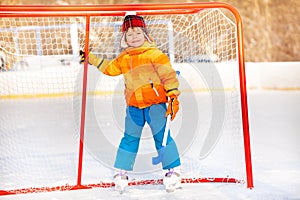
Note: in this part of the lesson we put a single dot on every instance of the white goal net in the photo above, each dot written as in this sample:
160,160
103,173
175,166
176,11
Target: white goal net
42,88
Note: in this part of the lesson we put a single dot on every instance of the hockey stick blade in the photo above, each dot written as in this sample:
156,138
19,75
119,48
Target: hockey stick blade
159,158
161,151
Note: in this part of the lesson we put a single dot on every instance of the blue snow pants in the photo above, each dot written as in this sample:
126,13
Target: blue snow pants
134,122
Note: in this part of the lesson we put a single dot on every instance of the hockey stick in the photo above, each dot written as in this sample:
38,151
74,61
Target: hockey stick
161,152
159,158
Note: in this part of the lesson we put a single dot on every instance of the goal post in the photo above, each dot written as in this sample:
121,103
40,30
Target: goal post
67,134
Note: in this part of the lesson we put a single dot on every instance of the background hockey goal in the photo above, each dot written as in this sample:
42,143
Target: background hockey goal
61,121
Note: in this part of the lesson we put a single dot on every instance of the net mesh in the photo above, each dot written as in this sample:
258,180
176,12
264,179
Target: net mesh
41,84
206,36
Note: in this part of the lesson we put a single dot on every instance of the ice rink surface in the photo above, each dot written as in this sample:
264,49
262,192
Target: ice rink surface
274,127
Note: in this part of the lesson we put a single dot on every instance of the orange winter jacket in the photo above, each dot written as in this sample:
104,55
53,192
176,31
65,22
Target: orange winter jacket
148,75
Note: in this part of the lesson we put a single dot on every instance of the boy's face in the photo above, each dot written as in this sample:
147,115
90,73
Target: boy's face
135,37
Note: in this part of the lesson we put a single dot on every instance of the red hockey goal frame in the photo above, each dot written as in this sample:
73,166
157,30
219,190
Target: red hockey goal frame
119,10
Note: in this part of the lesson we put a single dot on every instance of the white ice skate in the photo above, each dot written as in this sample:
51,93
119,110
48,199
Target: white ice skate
172,180
121,181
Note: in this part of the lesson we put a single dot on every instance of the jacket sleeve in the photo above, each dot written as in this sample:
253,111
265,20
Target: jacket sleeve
108,67
166,74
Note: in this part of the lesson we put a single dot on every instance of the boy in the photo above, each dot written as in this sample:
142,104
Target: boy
150,83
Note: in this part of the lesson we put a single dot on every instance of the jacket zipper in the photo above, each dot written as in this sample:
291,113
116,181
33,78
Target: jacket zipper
153,87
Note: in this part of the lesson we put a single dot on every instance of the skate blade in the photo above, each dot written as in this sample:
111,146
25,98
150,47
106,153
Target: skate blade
121,185
120,189
171,187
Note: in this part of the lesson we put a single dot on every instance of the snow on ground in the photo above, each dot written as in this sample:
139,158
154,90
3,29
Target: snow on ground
274,126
